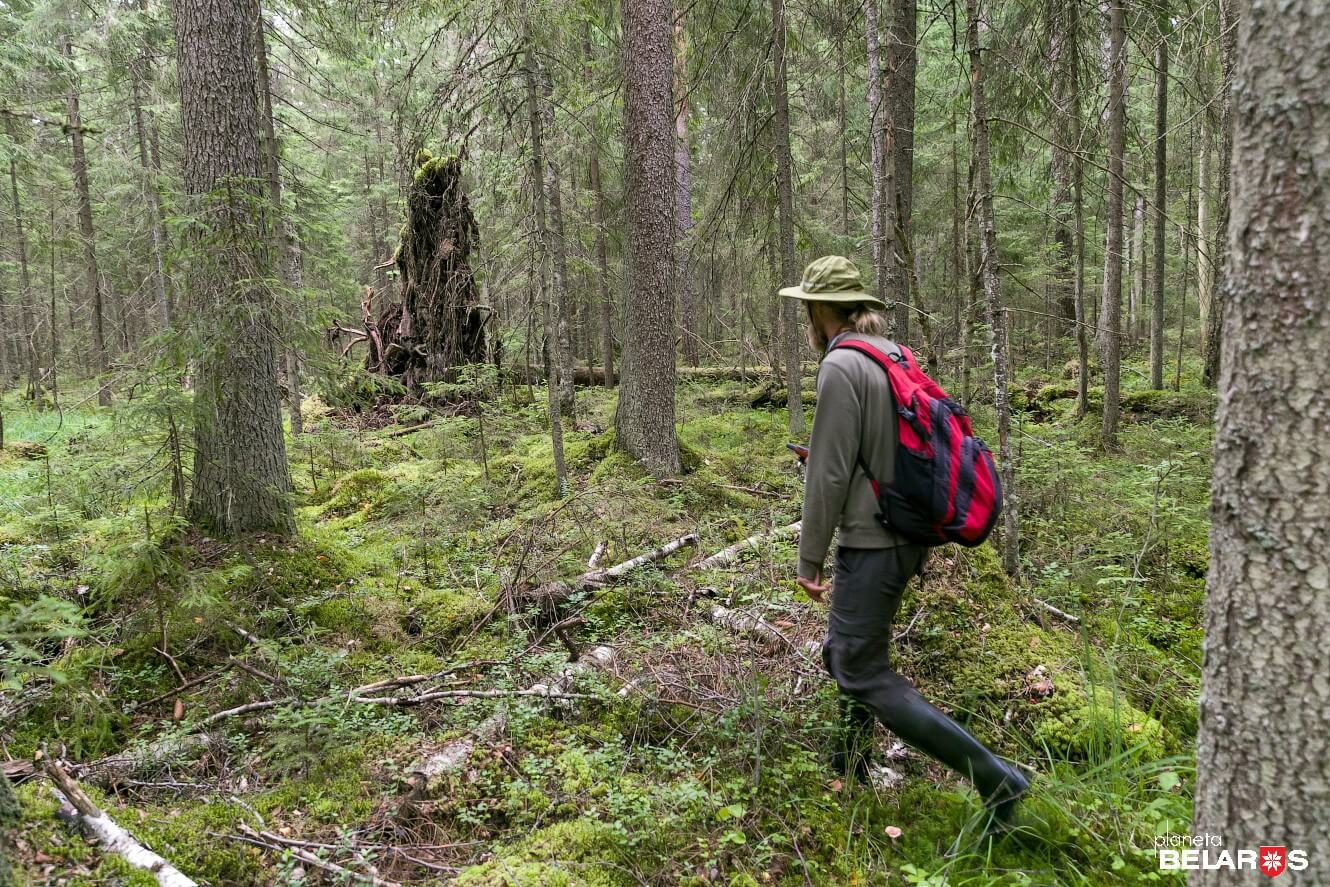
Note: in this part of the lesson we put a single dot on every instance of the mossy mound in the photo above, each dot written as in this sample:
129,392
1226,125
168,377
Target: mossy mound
575,853
360,490
441,614
1094,723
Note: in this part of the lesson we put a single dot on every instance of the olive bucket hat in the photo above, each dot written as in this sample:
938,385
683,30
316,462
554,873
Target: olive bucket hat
832,279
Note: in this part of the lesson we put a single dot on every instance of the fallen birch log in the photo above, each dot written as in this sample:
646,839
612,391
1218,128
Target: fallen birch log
755,626
1061,614
595,577
727,556
76,807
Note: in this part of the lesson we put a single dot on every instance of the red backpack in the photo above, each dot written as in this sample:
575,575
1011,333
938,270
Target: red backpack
946,487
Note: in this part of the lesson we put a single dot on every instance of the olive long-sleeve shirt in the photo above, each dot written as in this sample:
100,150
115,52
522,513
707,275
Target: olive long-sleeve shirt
855,414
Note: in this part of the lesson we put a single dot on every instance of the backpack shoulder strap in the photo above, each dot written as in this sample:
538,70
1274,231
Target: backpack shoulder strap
886,360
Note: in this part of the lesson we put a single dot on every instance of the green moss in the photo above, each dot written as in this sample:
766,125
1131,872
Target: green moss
1094,724
360,490
576,853
443,614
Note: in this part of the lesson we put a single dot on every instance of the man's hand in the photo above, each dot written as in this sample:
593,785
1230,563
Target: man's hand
814,588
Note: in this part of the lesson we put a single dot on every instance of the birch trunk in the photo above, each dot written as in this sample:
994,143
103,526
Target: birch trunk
988,271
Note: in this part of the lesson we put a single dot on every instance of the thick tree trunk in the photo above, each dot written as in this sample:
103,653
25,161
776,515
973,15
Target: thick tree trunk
1160,215
92,278
988,271
1264,735
241,479
1111,307
901,74
683,207
1212,334
644,419
789,270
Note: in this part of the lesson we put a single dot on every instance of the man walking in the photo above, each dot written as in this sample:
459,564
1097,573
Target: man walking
855,426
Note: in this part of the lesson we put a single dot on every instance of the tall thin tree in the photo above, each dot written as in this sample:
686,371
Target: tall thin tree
1111,306
1159,213
789,270
1212,334
988,272
92,276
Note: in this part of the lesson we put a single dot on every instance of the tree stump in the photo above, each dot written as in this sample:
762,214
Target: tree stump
439,323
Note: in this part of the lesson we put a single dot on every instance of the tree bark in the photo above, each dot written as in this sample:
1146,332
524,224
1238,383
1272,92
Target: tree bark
1205,271
1064,147
683,200
1265,701
548,297
1111,308
1160,216
285,246
1137,265
603,265
92,278
877,154
988,270
162,301
1212,334
644,419
785,197
28,327
902,68
241,479
557,245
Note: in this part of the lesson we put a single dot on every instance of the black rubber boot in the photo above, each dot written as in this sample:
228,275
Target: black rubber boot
852,748
929,730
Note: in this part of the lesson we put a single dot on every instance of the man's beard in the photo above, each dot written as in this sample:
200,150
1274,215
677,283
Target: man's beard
816,337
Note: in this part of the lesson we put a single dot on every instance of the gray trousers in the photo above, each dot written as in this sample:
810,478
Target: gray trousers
857,654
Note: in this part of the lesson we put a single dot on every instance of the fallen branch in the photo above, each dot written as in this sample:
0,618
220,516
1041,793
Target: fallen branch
412,429
76,807
1062,614
424,775
187,685
432,695
269,841
248,707
727,556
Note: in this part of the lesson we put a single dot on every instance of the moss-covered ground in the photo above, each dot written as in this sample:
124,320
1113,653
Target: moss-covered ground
415,553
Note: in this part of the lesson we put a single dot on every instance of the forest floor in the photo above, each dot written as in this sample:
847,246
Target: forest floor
693,755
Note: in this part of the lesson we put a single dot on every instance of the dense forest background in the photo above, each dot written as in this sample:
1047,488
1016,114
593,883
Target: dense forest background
391,443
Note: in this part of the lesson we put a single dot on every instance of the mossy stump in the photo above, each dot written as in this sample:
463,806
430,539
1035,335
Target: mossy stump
438,324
